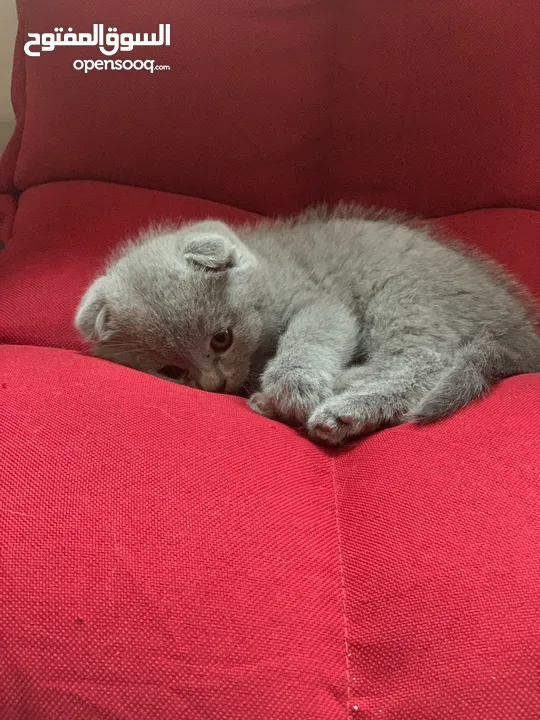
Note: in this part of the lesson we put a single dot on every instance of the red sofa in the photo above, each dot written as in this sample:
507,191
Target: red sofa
166,553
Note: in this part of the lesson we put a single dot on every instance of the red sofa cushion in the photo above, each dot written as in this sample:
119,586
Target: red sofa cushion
270,104
151,569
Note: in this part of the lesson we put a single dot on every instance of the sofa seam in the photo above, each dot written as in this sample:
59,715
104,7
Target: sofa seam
345,620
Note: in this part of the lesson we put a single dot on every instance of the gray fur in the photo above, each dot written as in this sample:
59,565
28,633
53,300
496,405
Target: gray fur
342,323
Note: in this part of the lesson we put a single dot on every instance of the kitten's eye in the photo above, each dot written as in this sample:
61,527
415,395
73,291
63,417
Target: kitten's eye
172,372
222,340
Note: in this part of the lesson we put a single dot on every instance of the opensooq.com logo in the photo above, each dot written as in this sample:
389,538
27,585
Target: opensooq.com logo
109,43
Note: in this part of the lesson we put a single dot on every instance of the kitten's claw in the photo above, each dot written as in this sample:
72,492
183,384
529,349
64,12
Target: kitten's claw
322,428
330,425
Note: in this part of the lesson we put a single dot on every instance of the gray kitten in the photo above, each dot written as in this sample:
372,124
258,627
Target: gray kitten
338,322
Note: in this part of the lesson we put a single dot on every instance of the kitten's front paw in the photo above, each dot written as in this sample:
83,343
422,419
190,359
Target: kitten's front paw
331,424
348,416
290,397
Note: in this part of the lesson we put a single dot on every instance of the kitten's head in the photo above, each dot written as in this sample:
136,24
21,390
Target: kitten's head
189,304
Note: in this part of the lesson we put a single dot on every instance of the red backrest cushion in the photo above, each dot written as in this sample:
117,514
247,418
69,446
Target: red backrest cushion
271,104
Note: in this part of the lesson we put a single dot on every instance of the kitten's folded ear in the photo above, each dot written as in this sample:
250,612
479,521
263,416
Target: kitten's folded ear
212,245
92,319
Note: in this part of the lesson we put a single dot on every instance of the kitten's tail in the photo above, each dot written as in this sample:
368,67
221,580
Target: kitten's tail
478,365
